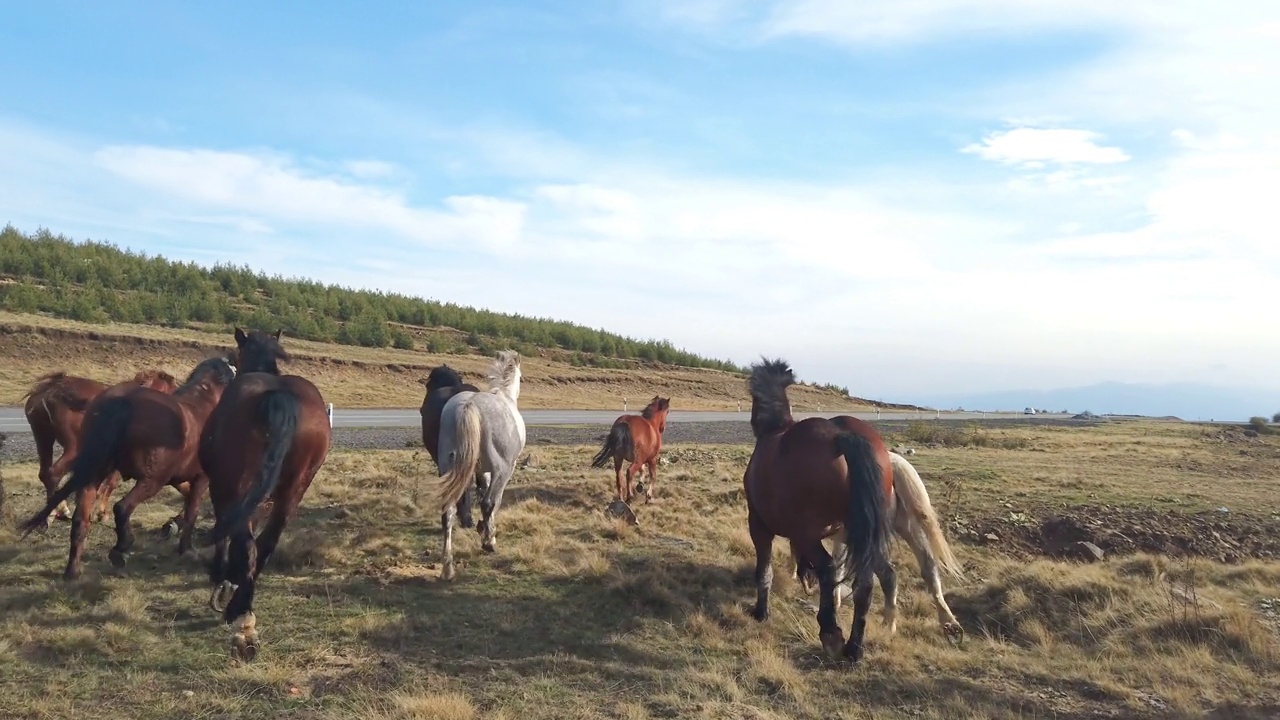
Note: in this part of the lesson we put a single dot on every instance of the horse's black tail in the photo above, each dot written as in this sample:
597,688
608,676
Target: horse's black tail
619,440
102,435
867,528
278,413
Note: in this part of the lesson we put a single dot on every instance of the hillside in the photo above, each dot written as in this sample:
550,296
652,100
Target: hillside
99,282
349,376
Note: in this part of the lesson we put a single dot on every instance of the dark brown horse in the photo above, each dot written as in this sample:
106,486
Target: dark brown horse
638,440
442,383
147,436
809,480
266,439
55,407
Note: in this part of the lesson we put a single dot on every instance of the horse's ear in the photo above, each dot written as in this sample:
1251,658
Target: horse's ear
240,336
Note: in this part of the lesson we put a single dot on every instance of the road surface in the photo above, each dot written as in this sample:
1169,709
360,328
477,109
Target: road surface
12,421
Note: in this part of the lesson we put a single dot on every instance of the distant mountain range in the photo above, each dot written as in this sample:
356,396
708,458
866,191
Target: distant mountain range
1189,401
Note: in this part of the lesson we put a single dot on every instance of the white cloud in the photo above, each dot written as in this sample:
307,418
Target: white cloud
1033,147
273,189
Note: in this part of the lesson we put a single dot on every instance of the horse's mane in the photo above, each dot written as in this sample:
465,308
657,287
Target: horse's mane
443,376
144,375
504,371
45,382
221,370
770,408
652,408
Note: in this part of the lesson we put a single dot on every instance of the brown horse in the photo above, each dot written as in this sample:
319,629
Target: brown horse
147,436
442,383
266,439
809,480
55,407
637,439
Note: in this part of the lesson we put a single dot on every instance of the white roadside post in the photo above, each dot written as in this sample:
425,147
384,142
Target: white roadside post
329,411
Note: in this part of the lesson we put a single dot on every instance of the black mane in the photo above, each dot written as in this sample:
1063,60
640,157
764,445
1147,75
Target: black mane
770,408
216,366
443,376
654,406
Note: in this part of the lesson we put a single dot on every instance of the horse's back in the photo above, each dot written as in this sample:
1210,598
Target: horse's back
644,436
797,480
502,429
231,445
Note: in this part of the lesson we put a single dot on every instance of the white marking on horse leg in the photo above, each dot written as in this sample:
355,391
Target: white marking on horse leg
244,640
448,572
929,571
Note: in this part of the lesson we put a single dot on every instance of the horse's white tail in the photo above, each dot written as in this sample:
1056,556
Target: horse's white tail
466,455
914,500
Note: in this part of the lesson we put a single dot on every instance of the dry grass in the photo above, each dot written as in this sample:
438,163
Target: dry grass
581,616
356,377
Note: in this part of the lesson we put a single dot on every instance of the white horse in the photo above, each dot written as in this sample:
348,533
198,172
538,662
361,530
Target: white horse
481,435
915,522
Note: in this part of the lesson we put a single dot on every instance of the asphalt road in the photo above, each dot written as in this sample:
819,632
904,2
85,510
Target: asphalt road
12,421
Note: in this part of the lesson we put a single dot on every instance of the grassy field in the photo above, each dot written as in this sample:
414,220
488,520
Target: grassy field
355,377
580,616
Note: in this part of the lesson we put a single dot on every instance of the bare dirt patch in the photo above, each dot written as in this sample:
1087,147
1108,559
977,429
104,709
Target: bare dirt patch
1227,537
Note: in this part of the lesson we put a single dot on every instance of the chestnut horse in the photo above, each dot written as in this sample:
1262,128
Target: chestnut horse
55,407
266,439
442,383
637,439
147,436
809,480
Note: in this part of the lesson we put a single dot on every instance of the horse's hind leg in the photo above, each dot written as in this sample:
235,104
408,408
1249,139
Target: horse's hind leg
241,559
81,520
464,508
889,586
617,474
44,453
862,605
104,496
143,489
653,478
951,628
828,629
448,571
493,501
762,539
190,510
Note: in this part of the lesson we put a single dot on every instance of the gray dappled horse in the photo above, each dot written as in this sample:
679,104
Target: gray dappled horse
481,435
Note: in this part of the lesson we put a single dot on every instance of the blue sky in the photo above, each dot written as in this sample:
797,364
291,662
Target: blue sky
905,198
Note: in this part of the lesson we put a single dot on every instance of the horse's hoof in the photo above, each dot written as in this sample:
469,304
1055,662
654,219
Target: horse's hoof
221,596
954,633
640,488
168,529
71,573
489,546
244,647
244,643
760,614
833,645
118,558
852,653
449,572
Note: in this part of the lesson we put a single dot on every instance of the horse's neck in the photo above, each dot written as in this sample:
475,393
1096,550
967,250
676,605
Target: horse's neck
200,402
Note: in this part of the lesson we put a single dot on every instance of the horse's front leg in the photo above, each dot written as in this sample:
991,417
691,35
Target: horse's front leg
762,539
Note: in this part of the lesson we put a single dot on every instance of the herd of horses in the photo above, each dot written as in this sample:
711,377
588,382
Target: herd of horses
254,439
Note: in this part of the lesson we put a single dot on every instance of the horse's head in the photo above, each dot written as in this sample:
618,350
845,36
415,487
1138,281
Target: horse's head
504,376
257,351
157,380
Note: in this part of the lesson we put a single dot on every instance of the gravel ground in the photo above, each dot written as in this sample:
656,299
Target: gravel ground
19,447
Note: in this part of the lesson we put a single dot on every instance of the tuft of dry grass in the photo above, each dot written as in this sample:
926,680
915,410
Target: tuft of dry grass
578,615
